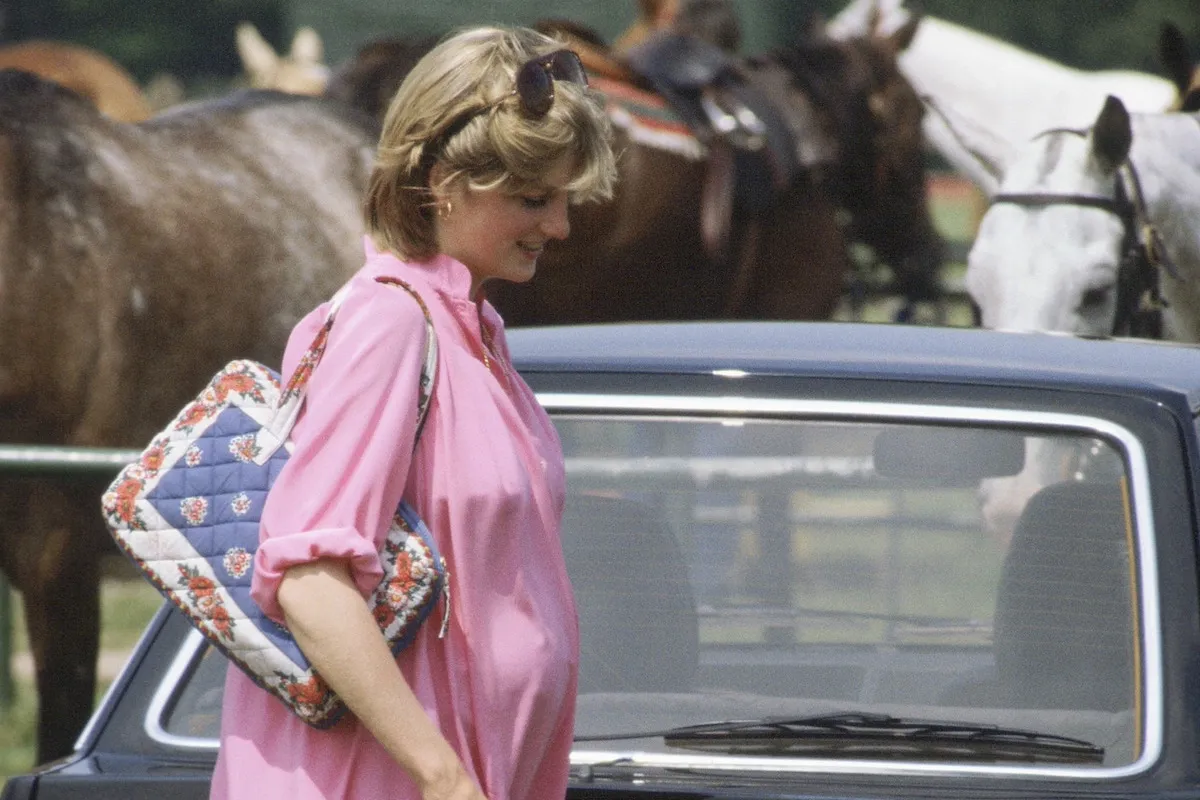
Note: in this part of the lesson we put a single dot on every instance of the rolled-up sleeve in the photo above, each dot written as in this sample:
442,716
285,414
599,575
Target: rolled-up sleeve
336,496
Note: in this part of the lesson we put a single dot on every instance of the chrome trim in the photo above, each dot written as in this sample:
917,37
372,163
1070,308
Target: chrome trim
561,402
87,736
168,691
564,402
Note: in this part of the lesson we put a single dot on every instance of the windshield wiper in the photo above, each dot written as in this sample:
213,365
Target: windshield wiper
871,735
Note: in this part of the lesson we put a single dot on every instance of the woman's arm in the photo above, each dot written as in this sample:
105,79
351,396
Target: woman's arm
329,619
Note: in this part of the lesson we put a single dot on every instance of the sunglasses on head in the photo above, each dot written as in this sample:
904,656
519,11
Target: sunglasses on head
534,88
536,77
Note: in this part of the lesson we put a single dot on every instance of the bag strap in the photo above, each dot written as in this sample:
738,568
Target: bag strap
276,431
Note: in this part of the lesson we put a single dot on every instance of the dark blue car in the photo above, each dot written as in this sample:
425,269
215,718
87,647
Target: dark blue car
828,560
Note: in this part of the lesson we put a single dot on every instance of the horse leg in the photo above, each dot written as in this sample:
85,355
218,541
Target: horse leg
63,618
54,564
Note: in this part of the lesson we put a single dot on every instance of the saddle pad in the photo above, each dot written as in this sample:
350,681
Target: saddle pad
647,118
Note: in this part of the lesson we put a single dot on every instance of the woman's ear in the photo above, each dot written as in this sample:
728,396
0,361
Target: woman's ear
437,179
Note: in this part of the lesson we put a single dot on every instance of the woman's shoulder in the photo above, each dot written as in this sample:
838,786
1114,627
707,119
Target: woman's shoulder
391,297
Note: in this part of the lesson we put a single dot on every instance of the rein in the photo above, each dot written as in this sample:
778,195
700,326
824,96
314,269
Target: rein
1139,303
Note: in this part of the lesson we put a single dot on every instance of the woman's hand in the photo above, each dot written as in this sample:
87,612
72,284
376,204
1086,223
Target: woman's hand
336,632
453,784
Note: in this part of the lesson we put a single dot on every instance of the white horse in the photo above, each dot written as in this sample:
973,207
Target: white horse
1092,232
987,97
1091,226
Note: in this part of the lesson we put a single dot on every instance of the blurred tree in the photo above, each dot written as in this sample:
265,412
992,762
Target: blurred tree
192,40
1088,34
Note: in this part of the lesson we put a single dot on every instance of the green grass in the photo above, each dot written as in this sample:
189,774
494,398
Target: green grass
126,605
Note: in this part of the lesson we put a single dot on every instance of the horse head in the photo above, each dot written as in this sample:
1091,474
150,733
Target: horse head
1049,250
369,78
876,117
1176,58
301,71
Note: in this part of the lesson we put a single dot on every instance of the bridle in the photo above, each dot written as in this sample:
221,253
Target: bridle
1139,303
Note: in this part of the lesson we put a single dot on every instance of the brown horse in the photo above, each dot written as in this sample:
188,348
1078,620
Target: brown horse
135,260
85,71
642,255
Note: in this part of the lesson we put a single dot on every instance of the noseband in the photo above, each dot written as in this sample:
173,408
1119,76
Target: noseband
1140,302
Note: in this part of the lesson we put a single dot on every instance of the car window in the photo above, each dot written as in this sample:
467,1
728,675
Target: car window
733,568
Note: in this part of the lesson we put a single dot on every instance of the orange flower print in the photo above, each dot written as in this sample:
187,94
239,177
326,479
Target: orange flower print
121,502
239,382
384,617
194,510
399,588
310,693
201,586
153,458
192,416
221,621
236,561
126,506
244,448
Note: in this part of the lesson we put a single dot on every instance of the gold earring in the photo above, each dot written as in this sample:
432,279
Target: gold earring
444,209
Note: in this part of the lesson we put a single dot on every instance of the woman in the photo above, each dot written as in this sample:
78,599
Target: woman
486,142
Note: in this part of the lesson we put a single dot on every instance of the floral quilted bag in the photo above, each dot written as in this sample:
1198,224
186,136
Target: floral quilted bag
187,512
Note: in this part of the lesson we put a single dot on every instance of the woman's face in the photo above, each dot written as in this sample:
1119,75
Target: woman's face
500,235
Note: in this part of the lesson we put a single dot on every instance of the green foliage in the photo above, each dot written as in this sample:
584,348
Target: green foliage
1088,34
188,39
17,733
195,40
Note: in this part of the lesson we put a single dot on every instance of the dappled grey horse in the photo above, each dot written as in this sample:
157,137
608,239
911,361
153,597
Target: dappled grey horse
135,260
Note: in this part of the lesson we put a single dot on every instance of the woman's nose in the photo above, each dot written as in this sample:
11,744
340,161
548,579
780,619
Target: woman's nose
556,225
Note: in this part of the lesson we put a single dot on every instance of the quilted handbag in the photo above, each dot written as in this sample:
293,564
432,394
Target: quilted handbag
187,512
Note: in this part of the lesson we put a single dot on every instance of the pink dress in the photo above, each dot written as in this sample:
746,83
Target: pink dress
487,477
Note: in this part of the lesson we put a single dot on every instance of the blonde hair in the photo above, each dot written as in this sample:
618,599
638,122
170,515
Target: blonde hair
499,148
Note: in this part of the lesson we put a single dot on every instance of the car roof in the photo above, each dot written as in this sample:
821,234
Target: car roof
865,350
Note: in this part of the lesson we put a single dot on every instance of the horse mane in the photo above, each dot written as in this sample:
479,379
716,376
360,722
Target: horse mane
570,30
21,90
243,101
368,80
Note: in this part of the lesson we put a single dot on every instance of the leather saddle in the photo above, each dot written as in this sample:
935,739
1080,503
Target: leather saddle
755,147
756,143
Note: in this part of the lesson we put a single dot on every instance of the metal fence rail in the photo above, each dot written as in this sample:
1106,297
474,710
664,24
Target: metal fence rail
42,460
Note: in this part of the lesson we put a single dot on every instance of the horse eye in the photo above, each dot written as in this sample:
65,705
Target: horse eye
1093,298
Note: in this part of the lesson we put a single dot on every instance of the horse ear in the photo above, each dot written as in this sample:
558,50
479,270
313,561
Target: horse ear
904,35
1191,101
813,28
1112,134
258,57
307,47
1174,55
